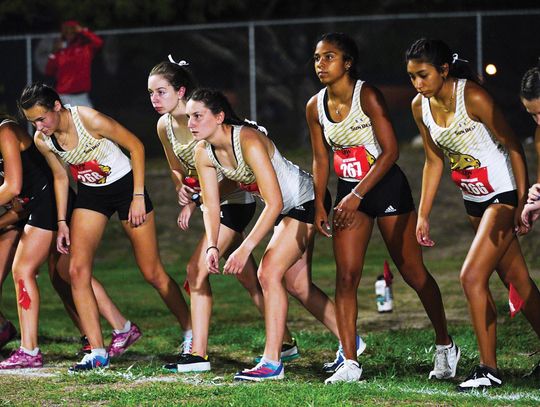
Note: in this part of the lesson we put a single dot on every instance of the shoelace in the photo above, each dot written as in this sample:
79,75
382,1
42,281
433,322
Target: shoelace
441,359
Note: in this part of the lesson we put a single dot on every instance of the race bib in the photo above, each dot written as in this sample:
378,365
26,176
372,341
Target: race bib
90,172
351,162
252,188
473,182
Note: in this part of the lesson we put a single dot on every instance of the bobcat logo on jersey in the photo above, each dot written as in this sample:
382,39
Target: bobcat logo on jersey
460,161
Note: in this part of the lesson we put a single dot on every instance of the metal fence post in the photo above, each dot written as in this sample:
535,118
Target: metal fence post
479,46
252,74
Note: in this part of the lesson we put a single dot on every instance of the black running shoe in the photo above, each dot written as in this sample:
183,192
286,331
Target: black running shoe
189,362
481,377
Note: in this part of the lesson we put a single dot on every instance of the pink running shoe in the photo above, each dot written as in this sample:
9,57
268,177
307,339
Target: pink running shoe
21,360
120,342
7,334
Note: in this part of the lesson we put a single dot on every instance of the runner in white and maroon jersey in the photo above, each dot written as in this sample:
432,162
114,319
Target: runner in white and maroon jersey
458,119
108,182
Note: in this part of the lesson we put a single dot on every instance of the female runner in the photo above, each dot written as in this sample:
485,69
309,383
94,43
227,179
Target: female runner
28,232
241,152
87,140
457,118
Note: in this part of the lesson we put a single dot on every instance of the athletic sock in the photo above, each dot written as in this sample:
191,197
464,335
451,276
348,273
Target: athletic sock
188,334
99,352
127,327
264,359
33,352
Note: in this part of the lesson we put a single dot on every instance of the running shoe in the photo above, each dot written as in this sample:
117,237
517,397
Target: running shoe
289,351
189,362
481,377
121,341
534,373
446,360
90,361
19,359
331,367
85,346
348,371
7,334
262,371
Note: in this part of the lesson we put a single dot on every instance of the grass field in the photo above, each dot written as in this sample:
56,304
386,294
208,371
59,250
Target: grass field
396,363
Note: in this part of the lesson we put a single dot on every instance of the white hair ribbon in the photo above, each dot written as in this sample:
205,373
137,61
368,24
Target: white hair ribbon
179,63
455,57
254,123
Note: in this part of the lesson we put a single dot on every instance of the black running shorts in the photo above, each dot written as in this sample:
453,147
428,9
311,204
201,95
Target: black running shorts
477,209
391,196
306,212
112,198
42,209
237,216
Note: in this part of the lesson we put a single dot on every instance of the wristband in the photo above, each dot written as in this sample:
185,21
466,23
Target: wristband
61,220
212,247
356,194
138,194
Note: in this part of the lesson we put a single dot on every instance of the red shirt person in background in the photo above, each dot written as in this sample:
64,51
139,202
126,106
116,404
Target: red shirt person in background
71,63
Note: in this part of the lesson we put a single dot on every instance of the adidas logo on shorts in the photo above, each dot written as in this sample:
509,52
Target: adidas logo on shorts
496,200
390,209
300,208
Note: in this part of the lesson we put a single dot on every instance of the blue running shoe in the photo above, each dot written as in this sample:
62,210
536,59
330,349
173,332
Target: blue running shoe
90,361
331,367
262,371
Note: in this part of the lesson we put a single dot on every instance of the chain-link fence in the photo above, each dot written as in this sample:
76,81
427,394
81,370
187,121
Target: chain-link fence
266,67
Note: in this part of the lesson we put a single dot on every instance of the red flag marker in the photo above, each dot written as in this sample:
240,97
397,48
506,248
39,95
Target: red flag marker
514,301
388,276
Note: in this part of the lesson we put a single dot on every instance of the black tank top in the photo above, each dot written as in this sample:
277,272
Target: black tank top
36,173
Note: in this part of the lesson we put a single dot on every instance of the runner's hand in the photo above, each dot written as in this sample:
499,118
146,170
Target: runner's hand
422,233
236,261
137,211
212,260
345,213
321,222
185,215
62,238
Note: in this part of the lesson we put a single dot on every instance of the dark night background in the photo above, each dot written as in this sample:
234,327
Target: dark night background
219,56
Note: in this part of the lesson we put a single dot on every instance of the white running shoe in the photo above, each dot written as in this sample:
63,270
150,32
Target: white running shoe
331,367
349,371
446,360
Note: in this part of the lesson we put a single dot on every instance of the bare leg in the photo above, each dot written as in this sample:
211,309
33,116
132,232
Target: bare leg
32,251
512,269
350,247
145,248
86,231
300,285
8,245
399,235
289,241
493,237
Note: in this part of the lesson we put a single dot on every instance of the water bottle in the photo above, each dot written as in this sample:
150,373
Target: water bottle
383,291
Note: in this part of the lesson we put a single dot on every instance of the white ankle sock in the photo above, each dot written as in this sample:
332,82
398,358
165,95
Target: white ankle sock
127,327
99,352
33,352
